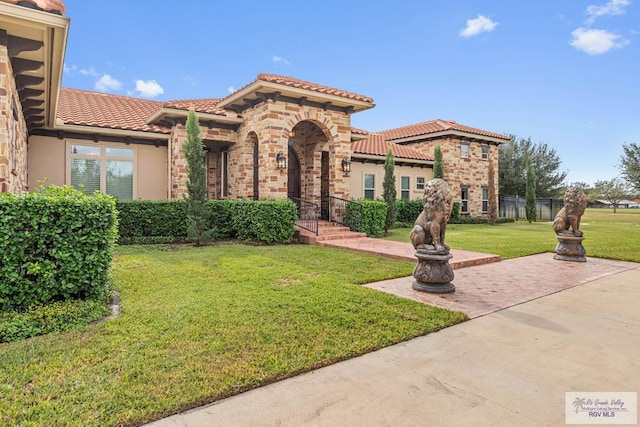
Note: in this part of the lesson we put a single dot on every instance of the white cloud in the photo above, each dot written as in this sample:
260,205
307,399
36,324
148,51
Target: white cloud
231,89
106,83
280,60
89,72
612,7
478,25
191,80
66,69
149,88
596,42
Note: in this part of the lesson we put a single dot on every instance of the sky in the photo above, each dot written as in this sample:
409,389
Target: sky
561,72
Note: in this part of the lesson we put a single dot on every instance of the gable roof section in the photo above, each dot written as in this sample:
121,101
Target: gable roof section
51,6
301,84
439,127
102,110
376,145
205,105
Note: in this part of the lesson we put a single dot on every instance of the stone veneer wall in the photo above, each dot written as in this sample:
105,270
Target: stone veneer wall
13,132
472,171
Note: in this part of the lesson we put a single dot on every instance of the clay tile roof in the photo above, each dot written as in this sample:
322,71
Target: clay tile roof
85,108
51,6
207,105
377,145
434,126
301,84
359,131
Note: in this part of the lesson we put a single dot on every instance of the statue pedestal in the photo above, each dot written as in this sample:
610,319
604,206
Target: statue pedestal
433,273
569,248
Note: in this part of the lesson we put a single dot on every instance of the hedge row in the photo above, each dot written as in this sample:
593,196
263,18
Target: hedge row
367,216
145,221
56,244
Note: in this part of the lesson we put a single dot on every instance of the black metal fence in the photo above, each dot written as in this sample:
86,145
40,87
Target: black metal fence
346,212
514,207
308,214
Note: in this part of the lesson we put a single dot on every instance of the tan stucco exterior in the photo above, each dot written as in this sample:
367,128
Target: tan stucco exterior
359,169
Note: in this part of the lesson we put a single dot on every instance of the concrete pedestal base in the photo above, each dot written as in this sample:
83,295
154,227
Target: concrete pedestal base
569,248
433,273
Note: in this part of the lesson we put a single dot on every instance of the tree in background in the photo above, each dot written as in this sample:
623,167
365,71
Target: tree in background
438,167
630,164
197,216
389,192
513,167
492,209
613,191
530,192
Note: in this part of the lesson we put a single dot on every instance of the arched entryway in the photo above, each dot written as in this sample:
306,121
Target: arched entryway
309,170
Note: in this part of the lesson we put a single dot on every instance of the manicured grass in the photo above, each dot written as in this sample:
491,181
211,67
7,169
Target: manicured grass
607,235
201,324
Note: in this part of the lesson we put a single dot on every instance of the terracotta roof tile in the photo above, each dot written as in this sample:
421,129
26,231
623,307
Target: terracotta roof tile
301,84
85,108
51,6
434,126
359,131
377,145
205,105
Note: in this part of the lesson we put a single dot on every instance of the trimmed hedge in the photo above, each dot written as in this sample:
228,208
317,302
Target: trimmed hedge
408,210
145,221
56,244
374,214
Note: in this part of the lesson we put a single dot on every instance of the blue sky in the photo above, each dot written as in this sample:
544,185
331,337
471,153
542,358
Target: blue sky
563,72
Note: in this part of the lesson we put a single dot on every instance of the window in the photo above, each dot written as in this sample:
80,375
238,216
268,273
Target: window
405,187
105,169
464,199
369,186
485,152
464,150
485,199
420,183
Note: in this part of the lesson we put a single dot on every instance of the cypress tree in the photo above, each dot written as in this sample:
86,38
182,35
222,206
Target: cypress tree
193,148
530,204
492,209
438,168
389,192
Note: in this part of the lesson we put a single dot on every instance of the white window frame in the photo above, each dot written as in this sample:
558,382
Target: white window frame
485,151
365,188
103,162
464,150
464,202
420,185
485,201
405,193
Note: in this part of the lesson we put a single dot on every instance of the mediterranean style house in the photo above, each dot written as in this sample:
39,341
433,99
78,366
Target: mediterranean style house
276,137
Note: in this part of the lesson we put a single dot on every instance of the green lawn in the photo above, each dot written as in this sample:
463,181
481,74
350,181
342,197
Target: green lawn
201,324
607,235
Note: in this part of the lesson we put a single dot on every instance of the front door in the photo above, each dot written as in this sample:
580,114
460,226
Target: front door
324,186
293,171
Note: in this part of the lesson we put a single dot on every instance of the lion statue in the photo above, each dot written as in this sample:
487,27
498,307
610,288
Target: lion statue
431,224
575,202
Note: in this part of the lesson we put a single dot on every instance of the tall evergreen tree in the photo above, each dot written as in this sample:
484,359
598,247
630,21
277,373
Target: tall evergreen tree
193,147
389,193
492,209
630,164
438,167
530,193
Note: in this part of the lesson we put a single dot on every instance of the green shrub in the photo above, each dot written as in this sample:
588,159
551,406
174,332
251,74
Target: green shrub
374,214
270,222
408,210
53,317
479,220
55,244
455,212
151,221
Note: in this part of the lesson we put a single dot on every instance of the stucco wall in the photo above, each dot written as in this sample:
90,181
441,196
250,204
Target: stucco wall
48,163
13,131
358,169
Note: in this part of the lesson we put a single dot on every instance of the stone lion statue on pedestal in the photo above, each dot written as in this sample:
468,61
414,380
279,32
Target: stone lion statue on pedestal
575,202
430,226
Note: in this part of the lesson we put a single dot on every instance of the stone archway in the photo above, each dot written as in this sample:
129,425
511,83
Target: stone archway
307,142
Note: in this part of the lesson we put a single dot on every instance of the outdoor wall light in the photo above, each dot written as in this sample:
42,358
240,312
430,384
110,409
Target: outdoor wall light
346,165
282,161
292,133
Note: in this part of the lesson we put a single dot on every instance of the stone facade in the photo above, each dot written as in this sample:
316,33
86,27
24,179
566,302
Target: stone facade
13,132
471,172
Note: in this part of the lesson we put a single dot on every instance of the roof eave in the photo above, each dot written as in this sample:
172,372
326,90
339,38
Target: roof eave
111,131
355,156
182,114
260,85
449,132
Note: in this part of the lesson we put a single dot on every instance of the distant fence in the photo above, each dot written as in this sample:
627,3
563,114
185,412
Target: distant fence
514,207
